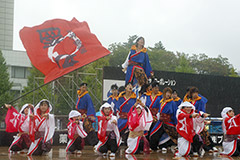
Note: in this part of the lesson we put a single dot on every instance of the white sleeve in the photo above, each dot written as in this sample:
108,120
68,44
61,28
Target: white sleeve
125,64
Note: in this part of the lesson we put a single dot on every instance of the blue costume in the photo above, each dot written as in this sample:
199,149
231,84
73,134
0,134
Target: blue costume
113,100
178,101
138,60
123,106
84,104
205,100
199,104
158,134
153,103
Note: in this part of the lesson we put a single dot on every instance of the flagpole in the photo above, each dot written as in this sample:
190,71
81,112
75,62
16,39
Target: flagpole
26,94
44,85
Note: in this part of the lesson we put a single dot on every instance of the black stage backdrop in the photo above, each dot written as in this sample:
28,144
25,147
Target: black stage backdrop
219,90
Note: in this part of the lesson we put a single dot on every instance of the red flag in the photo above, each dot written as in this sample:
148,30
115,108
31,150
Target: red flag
12,120
58,47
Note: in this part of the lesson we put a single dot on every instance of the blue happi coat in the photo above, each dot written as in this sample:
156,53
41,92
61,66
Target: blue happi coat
137,60
123,106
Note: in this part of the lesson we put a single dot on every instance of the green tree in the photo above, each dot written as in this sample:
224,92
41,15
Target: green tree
119,51
162,60
158,46
213,66
5,84
35,80
184,64
95,81
233,72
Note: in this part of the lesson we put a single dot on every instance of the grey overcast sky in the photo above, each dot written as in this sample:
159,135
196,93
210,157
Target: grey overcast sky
191,26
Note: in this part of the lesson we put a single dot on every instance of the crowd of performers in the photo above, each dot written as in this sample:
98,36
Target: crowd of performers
144,119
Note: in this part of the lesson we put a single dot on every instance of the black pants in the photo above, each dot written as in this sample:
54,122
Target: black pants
197,144
77,145
152,125
237,152
23,143
124,135
111,145
154,139
140,147
92,138
43,147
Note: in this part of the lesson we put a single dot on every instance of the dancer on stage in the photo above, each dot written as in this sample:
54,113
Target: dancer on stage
231,130
114,93
41,128
164,132
175,98
85,106
139,120
137,66
108,133
187,138
124,103
18,122
200,105
76,133
153,99
112,98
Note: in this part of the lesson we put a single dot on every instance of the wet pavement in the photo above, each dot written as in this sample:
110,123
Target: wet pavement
58,153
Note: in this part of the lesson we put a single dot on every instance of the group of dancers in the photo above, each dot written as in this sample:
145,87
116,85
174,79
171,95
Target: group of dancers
145,119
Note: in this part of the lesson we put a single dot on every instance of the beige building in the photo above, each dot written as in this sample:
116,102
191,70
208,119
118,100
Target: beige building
6,24
17,61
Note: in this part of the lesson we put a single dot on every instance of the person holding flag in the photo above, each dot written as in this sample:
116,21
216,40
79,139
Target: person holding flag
108,133
41,128
85,106
18,122
75,133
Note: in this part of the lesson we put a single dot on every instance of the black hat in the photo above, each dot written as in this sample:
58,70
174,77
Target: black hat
155,84
174,91
188,89
83,84
114,86
121,88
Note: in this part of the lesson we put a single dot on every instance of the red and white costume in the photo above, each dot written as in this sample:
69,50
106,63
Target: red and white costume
187,128
107,131
41,130
137,125
231,130
74,128
20,123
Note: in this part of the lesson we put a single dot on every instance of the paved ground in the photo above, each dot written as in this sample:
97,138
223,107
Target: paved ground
58,153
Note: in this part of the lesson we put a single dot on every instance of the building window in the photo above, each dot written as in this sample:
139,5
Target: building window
19,72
